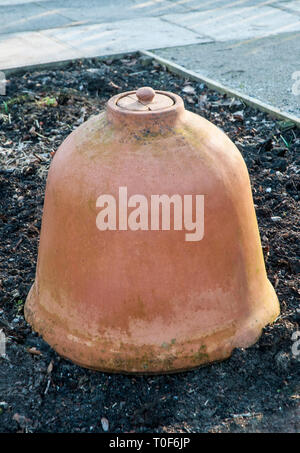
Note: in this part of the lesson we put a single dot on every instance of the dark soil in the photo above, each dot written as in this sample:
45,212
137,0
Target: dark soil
256,389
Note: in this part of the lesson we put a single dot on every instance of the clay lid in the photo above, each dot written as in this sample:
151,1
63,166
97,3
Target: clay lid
145,99
145,108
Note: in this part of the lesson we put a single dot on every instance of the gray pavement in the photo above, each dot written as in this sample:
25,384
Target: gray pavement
261,67
249,45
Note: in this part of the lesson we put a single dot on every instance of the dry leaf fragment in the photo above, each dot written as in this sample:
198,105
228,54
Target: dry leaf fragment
190,100
239,115
50,367
34,351
188,89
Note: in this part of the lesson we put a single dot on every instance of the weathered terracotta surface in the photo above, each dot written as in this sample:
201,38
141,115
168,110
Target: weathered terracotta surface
149,301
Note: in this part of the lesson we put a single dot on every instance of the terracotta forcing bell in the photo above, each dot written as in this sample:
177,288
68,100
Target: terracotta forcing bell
150,259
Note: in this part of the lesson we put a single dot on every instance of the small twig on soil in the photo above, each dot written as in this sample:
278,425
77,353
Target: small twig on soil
47,387
17,244
41,159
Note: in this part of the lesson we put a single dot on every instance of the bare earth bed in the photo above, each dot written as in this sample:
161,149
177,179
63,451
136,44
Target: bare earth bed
256,390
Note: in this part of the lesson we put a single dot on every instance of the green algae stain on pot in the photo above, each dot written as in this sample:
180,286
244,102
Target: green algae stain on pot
201,355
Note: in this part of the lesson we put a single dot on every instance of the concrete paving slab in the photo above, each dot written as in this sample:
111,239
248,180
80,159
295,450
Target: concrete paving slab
19,48
209,5
58,44
29,17
110,11
289,6
238,23
122,36
17,2
262,68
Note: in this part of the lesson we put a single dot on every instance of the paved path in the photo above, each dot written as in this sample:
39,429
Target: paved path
250,45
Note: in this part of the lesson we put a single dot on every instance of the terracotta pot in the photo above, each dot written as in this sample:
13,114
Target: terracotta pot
134,298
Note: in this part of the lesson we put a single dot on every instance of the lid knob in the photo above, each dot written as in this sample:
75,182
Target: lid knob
145,94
